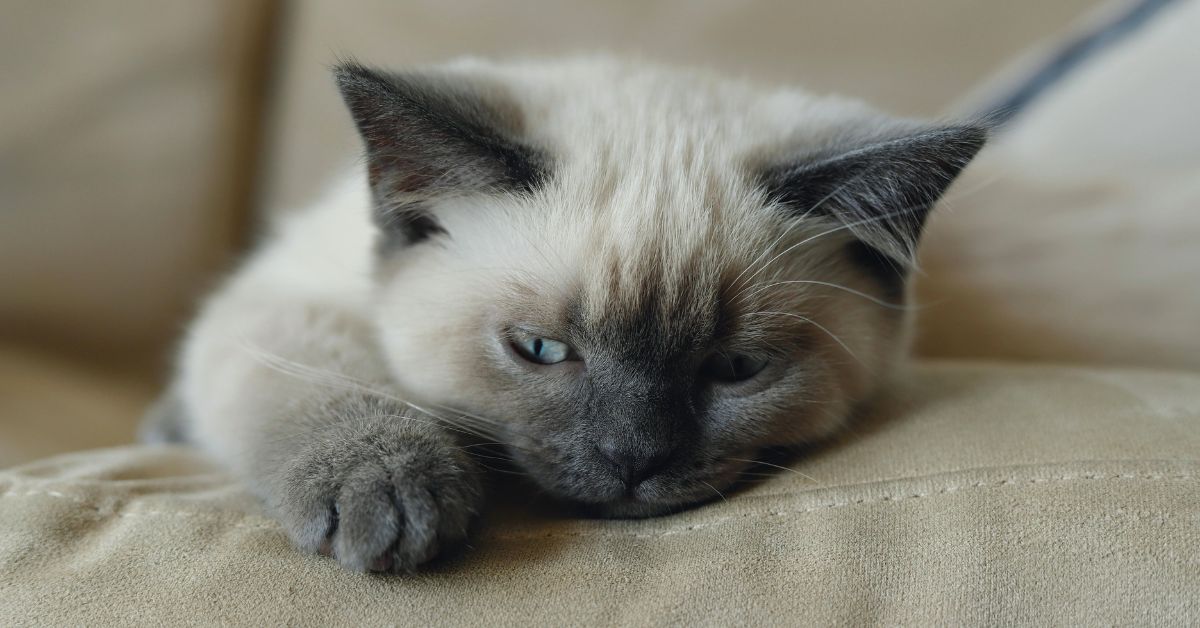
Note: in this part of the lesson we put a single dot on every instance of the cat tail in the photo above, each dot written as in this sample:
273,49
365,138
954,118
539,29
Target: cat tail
1092,40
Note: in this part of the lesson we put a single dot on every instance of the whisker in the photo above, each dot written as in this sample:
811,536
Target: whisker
476,455
815,206
766,250
954,197
714,489
873,299
780,467
338,380
502,471
818,326
483,445
842,227
488,427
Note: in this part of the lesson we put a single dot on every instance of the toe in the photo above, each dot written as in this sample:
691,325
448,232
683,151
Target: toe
368,522
419,543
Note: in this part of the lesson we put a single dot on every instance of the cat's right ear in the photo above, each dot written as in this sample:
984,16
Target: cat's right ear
428,136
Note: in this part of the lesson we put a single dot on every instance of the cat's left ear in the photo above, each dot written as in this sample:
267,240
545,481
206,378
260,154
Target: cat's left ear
879,190
429,137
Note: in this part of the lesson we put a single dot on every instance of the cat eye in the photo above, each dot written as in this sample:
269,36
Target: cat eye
732,367
542,350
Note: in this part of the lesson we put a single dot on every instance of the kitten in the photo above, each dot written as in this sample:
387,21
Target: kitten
634,278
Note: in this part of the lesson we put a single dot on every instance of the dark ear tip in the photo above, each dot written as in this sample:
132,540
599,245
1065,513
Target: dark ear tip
965,140
975,135
350,75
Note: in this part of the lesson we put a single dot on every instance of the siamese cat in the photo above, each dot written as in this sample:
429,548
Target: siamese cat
629,279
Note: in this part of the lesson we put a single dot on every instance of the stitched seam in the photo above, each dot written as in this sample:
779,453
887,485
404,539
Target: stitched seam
1010,469
854,502
268,525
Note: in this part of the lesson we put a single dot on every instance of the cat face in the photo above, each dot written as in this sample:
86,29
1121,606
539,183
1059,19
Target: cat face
636,279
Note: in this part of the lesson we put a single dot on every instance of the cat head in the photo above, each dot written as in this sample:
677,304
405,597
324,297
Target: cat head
638,278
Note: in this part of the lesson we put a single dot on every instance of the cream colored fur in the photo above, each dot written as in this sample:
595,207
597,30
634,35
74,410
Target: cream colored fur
654,162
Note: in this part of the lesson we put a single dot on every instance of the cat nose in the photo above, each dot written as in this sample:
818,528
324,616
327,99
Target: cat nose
635,462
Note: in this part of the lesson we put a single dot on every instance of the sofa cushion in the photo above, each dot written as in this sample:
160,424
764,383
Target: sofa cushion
124,167
50,404
974,493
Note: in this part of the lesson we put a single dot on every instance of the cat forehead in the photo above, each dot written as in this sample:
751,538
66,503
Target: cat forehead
662,233
651,149
652,263
657,228
587,102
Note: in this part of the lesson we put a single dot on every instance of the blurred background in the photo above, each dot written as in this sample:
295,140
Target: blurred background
143,141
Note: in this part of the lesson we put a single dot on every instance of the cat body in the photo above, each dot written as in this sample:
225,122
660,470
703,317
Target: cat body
630,279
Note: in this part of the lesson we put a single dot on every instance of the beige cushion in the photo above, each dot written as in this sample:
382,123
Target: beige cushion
49,405
1076,236
978,495
123,131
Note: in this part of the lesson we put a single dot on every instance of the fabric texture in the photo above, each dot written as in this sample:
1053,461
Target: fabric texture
123,130
49,405
975,494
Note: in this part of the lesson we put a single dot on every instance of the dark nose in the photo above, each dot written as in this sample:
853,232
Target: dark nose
635,462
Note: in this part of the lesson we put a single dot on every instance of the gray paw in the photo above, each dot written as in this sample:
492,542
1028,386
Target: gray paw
377,494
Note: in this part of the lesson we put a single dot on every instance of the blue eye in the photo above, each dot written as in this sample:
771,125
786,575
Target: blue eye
542,350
